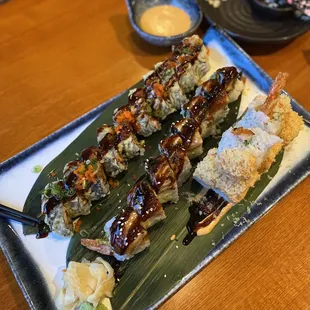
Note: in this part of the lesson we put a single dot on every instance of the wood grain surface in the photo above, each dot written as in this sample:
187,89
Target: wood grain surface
59,59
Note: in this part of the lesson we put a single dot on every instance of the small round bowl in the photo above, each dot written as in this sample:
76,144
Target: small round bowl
263,8
137,8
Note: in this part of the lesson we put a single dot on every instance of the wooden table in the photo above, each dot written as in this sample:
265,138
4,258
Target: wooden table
59,59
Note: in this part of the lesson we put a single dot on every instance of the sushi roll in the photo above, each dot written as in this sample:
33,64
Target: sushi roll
189,131
55,209
87,176
143,122
157,97
162,179
125,237
143,199
248,149
111,159
173,149
127,143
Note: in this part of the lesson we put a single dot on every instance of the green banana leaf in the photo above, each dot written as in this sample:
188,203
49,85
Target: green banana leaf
151,274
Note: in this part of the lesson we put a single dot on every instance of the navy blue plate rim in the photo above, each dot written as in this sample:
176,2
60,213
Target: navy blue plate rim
24,268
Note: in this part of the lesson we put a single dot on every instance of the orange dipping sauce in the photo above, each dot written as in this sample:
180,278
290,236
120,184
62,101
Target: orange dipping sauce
165,20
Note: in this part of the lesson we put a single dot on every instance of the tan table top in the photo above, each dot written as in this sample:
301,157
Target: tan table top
59,59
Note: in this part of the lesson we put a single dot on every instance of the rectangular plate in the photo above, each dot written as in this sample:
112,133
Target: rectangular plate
46,258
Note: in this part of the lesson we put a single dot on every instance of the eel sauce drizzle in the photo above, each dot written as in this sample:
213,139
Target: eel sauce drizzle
202,213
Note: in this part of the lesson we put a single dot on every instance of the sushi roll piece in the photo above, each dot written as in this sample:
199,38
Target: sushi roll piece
98,186
111,159
87,176
173,149
143,199
157,97
186,77
127,143
255,148
162,179
198,109
166,70
193,59
274,113
176,94
189,131
143,122
223,87
125,237
56,208
168,77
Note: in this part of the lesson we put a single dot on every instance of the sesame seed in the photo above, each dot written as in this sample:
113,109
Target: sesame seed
177,246
165,276
172,237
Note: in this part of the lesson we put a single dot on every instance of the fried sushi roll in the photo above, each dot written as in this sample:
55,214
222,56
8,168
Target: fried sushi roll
111,159
243,155
162,179
193,62
173,149
125,237
127,143
143,122
60,204
189,131
274,113
143,199
157,97
87,176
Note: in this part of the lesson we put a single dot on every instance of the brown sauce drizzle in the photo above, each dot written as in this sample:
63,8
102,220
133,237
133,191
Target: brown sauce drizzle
89,153
198,108
107,143
143,200
137,96
123,132
159,172
219,82
203,213
43,230
186,129
172,147
124,230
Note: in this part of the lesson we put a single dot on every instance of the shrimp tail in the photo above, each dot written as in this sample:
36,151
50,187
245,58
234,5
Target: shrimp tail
95,245
274,92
